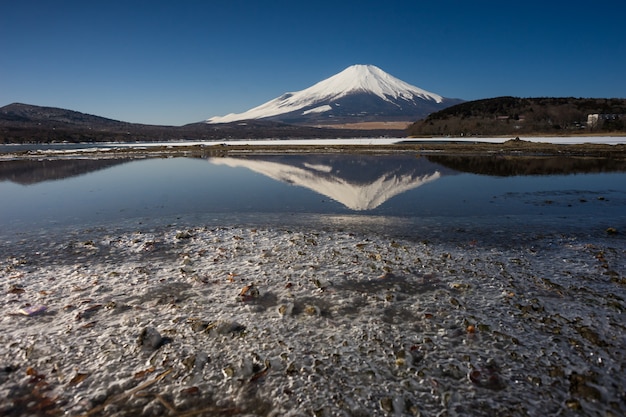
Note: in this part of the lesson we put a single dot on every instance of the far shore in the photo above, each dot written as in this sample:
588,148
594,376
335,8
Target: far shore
597,146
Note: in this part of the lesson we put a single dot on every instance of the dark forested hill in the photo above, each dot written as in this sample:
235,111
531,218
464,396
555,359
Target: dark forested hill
524,116
21,123
24,123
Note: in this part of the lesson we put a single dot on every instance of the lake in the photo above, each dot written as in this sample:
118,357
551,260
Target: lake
396,193
313,284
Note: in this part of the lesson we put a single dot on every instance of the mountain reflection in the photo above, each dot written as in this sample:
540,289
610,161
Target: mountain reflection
505,166
359,182
27,172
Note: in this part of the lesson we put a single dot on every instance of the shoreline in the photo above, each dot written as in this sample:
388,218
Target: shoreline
499,146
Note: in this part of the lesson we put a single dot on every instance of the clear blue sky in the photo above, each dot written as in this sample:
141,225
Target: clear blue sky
178,62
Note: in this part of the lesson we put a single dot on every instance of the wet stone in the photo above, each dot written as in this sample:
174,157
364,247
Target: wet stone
223,327
386,404
184,235
199,325
591,336
580,386
189,362
150,339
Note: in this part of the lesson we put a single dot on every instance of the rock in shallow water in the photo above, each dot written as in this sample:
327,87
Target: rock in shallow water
150,339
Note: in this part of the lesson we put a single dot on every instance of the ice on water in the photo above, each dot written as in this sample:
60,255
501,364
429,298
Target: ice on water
296,321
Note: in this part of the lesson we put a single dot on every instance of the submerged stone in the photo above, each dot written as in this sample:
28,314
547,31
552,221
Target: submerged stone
150,339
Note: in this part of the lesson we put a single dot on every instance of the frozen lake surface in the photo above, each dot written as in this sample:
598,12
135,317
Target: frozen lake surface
313,285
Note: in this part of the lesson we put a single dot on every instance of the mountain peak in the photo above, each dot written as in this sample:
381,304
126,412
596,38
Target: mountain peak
358,93
370,78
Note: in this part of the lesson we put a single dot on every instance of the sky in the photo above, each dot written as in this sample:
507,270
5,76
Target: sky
179,62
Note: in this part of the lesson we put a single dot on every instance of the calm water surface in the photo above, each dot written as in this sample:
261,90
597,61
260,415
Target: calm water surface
386,192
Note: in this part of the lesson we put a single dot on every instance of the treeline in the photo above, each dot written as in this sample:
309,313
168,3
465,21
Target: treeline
525,116
192,132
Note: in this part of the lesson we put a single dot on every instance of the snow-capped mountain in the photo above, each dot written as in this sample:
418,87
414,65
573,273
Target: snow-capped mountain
360,93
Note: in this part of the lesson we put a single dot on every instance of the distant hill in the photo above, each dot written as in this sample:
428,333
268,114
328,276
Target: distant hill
27,123
525,116
24,123
51,117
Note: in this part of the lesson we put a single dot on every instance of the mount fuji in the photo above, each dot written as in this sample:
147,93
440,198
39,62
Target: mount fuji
360,93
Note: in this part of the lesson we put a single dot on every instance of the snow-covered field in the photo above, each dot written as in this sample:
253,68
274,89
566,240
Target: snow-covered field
11,151
295,322
611,140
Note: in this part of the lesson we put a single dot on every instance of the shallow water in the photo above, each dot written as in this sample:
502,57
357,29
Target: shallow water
166,292
262,189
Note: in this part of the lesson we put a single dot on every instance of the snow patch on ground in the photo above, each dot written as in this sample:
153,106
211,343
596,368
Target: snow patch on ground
59,150
610,140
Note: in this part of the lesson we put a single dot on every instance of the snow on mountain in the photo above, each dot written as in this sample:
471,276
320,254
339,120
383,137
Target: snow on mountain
358,93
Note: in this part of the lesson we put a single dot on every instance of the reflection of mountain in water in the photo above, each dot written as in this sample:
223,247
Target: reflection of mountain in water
358,182
504,166
27,172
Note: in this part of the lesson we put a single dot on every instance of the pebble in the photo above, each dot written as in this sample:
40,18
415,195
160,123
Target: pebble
150,339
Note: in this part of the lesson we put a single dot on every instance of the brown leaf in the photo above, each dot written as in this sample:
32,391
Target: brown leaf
142,374
191,391
36,377
245,290
16,289
78,378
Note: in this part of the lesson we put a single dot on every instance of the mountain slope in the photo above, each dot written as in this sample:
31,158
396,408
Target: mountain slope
359,93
